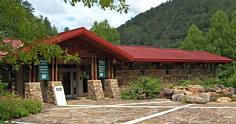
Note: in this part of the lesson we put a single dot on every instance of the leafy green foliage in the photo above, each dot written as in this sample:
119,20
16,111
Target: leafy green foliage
2,87
220,40
32,31
12,107
118,5
143,88
207,83
195,39
104,30
167,25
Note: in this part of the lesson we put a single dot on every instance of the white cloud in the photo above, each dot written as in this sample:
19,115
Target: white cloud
64,15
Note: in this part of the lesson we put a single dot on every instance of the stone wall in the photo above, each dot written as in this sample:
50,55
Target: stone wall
95,90
128,76
33,91
50,95
111,88
125,76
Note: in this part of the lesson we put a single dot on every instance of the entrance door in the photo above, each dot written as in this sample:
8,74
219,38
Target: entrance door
66,82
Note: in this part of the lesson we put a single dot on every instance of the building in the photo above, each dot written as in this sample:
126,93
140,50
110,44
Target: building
102,63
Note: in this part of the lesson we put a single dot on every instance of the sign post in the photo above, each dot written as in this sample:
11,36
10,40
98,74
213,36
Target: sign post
102,68
43,69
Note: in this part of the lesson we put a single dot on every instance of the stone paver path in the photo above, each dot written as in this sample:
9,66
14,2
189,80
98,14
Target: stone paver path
115,112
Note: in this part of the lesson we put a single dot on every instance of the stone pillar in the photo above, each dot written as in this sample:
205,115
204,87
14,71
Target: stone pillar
111,88
95,90
33,91
50,93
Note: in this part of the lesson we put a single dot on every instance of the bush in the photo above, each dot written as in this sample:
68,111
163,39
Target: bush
12,107
143,88
231,81
2,88
184,83
209,83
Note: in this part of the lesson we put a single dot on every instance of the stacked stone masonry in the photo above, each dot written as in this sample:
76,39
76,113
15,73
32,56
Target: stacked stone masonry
50,98
95,90
111,88
125,77
33,91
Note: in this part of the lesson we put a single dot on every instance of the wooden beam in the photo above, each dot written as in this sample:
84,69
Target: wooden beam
33,73
112,71
30,75
52,63
92,66
56,71
95,67
109,69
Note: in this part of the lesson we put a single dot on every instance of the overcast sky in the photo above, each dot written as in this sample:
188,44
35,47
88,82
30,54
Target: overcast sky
64,15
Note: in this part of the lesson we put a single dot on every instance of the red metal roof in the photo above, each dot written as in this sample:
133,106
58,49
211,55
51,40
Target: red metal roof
61,37
136,53
151,54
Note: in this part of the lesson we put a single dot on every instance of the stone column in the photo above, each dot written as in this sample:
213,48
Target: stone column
33,91
95,90
50,93
111,88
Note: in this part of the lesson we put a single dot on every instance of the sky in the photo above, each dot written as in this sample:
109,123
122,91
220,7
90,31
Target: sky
63,15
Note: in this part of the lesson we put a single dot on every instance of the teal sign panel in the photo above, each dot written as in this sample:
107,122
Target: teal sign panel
43,69
101,68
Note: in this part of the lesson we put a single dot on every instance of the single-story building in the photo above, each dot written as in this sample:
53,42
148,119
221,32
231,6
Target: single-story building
103,62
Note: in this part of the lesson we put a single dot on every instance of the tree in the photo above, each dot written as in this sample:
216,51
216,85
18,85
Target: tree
32,31
66,29
219,35
104,30
118,5
195,39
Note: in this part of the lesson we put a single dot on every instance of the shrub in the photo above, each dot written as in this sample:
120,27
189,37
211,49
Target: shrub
184,83
2,88
143,88
231,81
12,107
210,83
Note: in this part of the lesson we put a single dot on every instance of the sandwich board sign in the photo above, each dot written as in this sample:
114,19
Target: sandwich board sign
43,69
60,95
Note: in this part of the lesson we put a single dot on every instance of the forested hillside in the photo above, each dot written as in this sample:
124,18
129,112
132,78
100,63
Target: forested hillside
167,24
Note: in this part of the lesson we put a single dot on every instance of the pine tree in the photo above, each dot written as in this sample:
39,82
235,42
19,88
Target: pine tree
104,30
195,39
219,34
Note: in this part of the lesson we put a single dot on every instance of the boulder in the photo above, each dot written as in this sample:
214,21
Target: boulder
201,98
224,99
178,97
167,93
195,88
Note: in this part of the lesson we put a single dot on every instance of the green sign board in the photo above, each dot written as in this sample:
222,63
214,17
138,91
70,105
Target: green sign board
43,69
101,68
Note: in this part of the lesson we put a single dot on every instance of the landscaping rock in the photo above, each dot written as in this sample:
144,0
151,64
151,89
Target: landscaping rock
178,97
195,88
201,98
167,93
224,99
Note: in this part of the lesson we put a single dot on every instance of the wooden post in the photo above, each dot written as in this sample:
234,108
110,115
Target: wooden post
30,76
95,67
56,71
92,67
33,73
109,69
112,71
52,63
